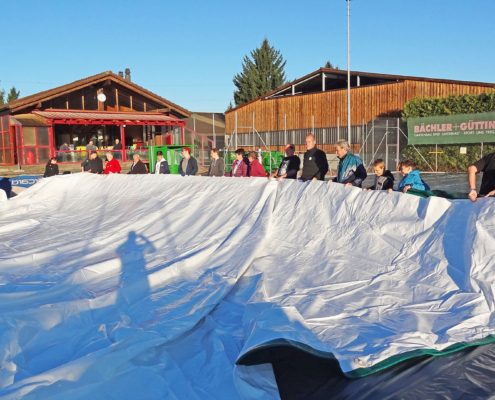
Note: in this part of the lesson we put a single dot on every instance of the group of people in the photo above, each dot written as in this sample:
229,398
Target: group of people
350,170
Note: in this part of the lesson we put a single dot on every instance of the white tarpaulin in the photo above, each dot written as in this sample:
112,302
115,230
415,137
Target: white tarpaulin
154,286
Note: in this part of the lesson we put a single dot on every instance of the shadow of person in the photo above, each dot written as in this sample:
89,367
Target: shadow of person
134,275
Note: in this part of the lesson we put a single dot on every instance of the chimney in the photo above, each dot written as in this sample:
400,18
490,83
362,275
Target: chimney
128,74
121,74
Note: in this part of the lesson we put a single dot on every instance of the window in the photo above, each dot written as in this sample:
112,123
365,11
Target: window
6,148
34,146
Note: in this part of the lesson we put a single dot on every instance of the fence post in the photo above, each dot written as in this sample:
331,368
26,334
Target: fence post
436,157
481,149
285,129
254,144
372,137
386,143
202,151
214,136
398,144
338,129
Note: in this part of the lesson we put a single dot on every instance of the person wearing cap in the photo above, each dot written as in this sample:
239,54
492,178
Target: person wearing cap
188,165
161,166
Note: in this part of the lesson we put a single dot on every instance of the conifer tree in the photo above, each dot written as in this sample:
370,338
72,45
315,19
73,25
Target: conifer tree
328,64
261,73
13,95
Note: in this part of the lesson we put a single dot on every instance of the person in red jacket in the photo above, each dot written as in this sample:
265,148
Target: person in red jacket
113,166
256,167
240,166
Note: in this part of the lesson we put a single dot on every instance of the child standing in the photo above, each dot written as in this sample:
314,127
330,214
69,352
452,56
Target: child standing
411,178
384,179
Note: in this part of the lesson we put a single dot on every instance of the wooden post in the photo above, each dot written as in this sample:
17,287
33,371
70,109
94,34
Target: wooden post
122,142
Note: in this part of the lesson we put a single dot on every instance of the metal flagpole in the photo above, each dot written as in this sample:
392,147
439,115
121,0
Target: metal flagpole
348,74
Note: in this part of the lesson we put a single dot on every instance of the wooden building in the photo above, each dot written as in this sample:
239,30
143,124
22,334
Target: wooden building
319,100
102,108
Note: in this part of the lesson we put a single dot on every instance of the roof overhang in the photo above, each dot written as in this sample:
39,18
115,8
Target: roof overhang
107,118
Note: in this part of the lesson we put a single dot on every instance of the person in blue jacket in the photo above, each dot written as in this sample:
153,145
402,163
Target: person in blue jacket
411,178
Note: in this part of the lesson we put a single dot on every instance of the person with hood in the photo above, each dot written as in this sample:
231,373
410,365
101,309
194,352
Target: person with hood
411,179
256,169
188,165
240,167
315,164
351,171
51,168
384,179
113,165
96,163
161,166
137,167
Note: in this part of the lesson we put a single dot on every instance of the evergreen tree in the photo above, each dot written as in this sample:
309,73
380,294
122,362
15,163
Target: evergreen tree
328,64
261,73
230,106
13,95
2,97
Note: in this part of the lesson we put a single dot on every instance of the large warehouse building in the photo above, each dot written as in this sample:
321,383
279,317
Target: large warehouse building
317,103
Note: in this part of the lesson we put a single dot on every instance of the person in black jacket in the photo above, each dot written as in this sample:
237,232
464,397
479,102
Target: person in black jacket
161,166
138,167
188,165
96,163
315,165
384,179
118,145
51,168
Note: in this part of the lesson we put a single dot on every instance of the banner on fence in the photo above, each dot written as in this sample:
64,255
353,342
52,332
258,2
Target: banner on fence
452,129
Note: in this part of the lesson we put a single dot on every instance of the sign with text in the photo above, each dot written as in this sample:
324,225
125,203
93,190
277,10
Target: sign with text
452,129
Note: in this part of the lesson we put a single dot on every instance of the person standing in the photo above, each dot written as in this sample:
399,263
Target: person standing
96,163
256,168
113,165
315,165
487,166
161,166
188,165
289,167
90,146
240,166
117,145
217,164
51,168
351,171
86,164
137,167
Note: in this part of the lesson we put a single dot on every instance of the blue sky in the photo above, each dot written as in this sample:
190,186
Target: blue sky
188,51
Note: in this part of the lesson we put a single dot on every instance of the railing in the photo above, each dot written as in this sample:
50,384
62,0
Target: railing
78,156
203,146
142,153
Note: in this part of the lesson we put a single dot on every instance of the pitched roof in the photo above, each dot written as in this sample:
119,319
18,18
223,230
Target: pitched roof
29,120
34,99
364,74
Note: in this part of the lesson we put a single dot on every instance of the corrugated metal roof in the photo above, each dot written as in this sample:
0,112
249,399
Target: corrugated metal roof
29,120
108,116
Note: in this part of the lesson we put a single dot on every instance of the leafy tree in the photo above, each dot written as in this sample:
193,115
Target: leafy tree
261,73
13,95
328,64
